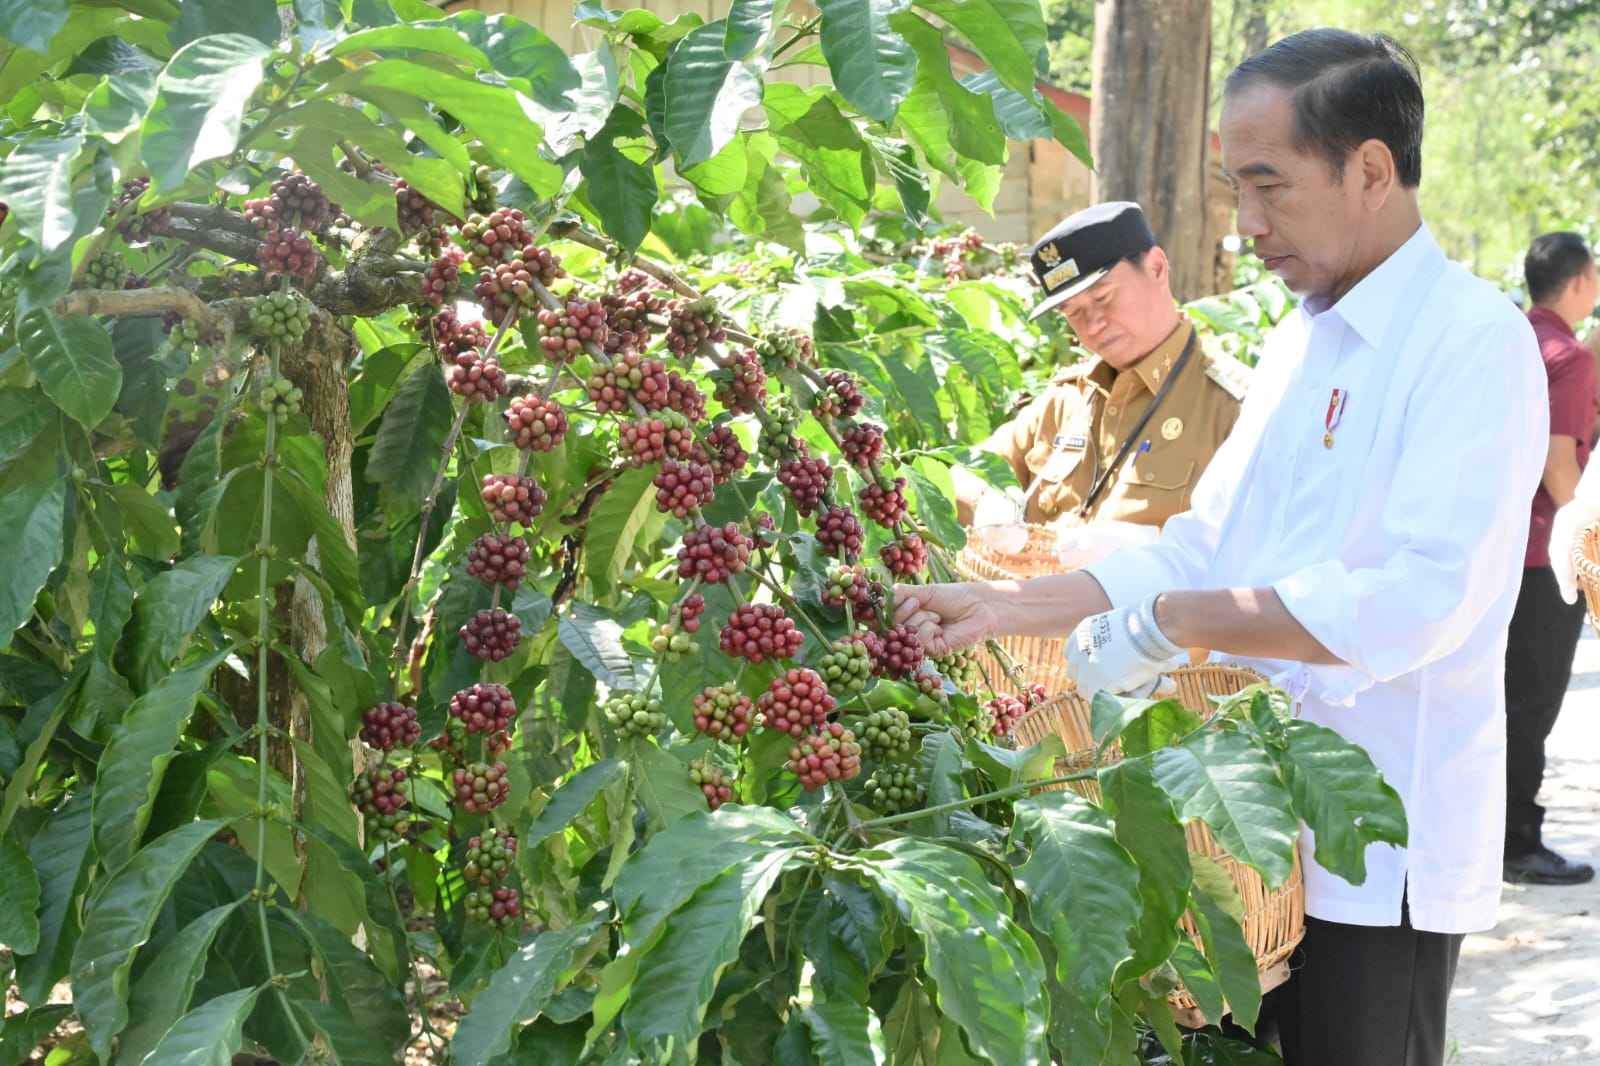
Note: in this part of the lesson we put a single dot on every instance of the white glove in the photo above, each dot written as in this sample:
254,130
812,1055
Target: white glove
1078,545
1570,521
1121,651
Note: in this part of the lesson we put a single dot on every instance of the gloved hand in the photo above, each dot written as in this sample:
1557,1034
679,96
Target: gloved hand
1569,523
1122,651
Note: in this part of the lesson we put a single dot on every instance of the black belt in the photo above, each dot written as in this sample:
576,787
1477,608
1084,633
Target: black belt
1144,420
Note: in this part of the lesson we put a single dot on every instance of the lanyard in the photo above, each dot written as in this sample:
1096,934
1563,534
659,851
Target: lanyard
1144,420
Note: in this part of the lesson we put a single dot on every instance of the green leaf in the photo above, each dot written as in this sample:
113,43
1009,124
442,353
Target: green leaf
872,65
30,526
569,801
208,1035
72,358
517,994
988,976
1229,955
201,97
21,1034
335,560
1082,890
1110,714
1010,35
132,765
625,518
22,419
706,94
119,920
844,1034
1341,795
147,522
162,993
169,608
31,25
37,182
622,190
57,853
356,989
910,183
750,27
19,899
1157,726
678,972
955,129
663,786
405,456
1149,830
251,18
1232,785
810,127
594,638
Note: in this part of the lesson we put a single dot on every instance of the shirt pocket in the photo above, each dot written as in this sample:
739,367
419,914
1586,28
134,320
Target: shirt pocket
1054,465
1156,483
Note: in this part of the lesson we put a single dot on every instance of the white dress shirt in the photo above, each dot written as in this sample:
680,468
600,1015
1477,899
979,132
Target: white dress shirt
1399,548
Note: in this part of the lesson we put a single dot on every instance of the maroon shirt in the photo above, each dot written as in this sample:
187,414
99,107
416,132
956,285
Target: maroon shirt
1574,400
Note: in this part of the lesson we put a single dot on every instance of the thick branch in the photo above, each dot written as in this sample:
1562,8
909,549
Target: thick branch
211,217
134,301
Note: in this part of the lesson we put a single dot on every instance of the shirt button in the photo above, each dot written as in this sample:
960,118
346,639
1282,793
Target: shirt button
1111,410
1149,477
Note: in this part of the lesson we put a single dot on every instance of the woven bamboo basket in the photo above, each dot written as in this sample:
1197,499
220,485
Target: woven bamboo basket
1041,660
1586,561
1274,921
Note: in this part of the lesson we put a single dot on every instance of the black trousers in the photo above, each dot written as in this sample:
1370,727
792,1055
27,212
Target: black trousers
1539,648
1365,996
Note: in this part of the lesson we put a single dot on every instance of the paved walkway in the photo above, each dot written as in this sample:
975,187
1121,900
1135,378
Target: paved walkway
1528,991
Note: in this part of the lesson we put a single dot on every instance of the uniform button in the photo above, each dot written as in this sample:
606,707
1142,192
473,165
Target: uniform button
1149,477
1111,410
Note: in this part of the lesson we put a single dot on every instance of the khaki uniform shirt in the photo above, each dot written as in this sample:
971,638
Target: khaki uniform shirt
1070,434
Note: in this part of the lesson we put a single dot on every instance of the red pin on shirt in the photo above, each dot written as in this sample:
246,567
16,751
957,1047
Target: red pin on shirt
1336,403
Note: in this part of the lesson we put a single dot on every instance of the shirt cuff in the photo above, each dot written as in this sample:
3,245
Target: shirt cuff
1127,576
1313,597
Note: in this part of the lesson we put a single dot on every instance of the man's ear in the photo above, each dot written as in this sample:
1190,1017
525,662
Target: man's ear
1379,176
1157,265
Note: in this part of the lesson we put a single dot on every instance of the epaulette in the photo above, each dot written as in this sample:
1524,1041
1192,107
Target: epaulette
1230,375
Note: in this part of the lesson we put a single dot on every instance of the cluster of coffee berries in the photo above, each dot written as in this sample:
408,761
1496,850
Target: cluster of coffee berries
845,394
480,786
1005,709
651,440
847,666
674,638
489,859
685,397
906,557
780,429
492,634
139,228
502,236
500,906
628,319
443,277
885,503
713,553
475,378
513,499
742,388
847,584
806,481
483,708
795,703
710,780
413,210
564,333
281,398
962,670
899,652
785,347
505,288
722,712
839,532
830,754
681,487
535,423
498,559
381,794
286,252
450,334
631,376
886,734
281,315
724,454
760,631
295,203
107,270
955,251
691,323
390,725
632,714
892,789
862,444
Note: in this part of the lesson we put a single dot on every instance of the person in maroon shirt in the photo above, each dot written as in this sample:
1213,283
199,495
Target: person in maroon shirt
1563,285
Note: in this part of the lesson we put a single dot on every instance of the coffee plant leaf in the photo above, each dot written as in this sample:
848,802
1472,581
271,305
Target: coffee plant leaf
706,93
1148,829
166,612
160,995
517,993
355,986
873,65
199,106
569,800
1227,953
19,899
31,526
1341,795
844,1033
57,854
207,1035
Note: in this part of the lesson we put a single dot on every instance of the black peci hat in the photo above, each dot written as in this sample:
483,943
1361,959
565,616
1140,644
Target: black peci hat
1079,251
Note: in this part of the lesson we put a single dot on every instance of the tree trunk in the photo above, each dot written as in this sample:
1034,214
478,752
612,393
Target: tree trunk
1147,123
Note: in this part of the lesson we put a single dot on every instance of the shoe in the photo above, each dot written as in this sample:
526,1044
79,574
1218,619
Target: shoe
1545,867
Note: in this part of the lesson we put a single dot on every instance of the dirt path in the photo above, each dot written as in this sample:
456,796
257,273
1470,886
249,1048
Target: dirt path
1528,991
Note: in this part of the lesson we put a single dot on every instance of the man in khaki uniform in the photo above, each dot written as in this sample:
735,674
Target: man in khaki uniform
1122,436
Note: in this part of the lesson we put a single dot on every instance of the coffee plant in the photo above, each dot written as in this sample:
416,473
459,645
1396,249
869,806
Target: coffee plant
454,492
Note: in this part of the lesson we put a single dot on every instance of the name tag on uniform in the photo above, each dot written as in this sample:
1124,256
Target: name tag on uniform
1069,442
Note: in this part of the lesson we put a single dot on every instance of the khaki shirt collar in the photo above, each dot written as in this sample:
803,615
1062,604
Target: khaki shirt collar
1154,368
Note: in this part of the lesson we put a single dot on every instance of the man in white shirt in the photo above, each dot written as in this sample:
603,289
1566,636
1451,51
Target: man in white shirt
1353,537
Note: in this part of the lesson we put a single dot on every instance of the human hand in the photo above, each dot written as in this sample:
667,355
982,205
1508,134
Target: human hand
1121,651
1565,528
947,617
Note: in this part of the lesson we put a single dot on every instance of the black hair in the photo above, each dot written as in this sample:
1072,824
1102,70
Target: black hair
1346,88
1553,260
